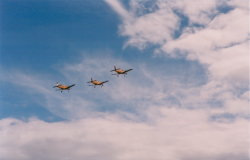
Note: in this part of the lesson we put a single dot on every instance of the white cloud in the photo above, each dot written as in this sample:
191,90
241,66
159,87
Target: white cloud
153,28
221,32
239,4
156,23
170,134
221,44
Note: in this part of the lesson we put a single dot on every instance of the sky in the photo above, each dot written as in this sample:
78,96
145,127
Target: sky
187,97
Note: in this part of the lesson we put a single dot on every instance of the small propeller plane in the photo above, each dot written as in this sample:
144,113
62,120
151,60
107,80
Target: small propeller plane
120,71
96,83
62,87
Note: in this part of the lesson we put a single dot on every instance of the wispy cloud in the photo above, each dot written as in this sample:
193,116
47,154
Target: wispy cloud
141,89
119,8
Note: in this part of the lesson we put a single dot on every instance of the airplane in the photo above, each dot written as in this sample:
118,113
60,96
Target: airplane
62,87
95,83
120,71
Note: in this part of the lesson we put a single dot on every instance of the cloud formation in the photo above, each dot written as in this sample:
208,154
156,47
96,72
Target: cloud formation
214,33
151,119
173,134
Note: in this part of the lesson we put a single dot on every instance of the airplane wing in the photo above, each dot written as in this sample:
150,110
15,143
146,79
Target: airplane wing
71,86
104,82
128,70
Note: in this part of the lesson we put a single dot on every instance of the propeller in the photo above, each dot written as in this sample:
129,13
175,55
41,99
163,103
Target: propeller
90,80
114,69
57,83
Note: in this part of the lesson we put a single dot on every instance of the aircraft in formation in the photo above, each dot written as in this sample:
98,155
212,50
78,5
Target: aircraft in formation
62,87
94,83
120,71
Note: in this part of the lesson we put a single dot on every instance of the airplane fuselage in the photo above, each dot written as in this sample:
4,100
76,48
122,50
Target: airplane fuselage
63,87
95,82
120,71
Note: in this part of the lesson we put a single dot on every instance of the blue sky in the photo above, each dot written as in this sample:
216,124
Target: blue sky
39,36
42,29
190,75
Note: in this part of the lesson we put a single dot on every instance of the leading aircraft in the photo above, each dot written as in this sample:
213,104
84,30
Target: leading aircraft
62,87
96,83
120,71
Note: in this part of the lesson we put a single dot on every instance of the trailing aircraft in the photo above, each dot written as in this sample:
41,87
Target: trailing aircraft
62,87
95,83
